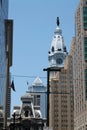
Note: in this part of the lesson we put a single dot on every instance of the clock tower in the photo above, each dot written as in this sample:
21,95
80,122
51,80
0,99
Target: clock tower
58,52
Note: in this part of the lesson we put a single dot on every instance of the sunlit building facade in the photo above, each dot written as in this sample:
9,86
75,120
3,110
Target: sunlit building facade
38,92
61,115
80,67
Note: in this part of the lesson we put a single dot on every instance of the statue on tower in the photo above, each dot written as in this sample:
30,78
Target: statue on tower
58,21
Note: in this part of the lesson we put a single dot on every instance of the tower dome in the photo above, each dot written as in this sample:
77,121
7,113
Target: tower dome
57,42
57,51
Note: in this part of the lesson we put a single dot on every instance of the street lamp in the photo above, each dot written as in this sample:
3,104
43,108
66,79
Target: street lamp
13,120
49,69
16,121
20,118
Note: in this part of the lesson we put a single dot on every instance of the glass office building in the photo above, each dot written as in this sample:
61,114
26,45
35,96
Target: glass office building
3,17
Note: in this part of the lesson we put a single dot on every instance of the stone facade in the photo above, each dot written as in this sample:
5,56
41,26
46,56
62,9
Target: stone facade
79,55
61,98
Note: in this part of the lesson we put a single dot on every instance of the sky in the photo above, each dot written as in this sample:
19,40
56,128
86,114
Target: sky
33,30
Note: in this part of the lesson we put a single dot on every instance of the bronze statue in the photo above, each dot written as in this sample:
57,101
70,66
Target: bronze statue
58,21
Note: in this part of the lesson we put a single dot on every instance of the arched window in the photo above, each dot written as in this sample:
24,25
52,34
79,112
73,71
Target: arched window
52,48
64,49
26,113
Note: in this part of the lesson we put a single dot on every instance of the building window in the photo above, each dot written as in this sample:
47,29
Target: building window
26,113
86,84
37,100
85,48
52,48
85,17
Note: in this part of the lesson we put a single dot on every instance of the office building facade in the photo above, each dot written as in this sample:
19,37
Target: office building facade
38,92
6,44
3,17
80,67
61,98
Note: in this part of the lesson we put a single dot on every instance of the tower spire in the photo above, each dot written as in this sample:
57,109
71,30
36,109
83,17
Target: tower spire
57,53
58,21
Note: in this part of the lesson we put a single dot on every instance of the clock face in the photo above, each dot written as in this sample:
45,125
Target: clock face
59,61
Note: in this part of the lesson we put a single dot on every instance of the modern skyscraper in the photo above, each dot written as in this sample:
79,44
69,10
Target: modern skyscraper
5,58
3,17
80,67
6,37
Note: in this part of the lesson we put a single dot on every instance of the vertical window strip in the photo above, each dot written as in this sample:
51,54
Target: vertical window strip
86,84
85,17
85,48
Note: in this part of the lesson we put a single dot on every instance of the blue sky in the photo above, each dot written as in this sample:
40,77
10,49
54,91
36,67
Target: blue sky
34,26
